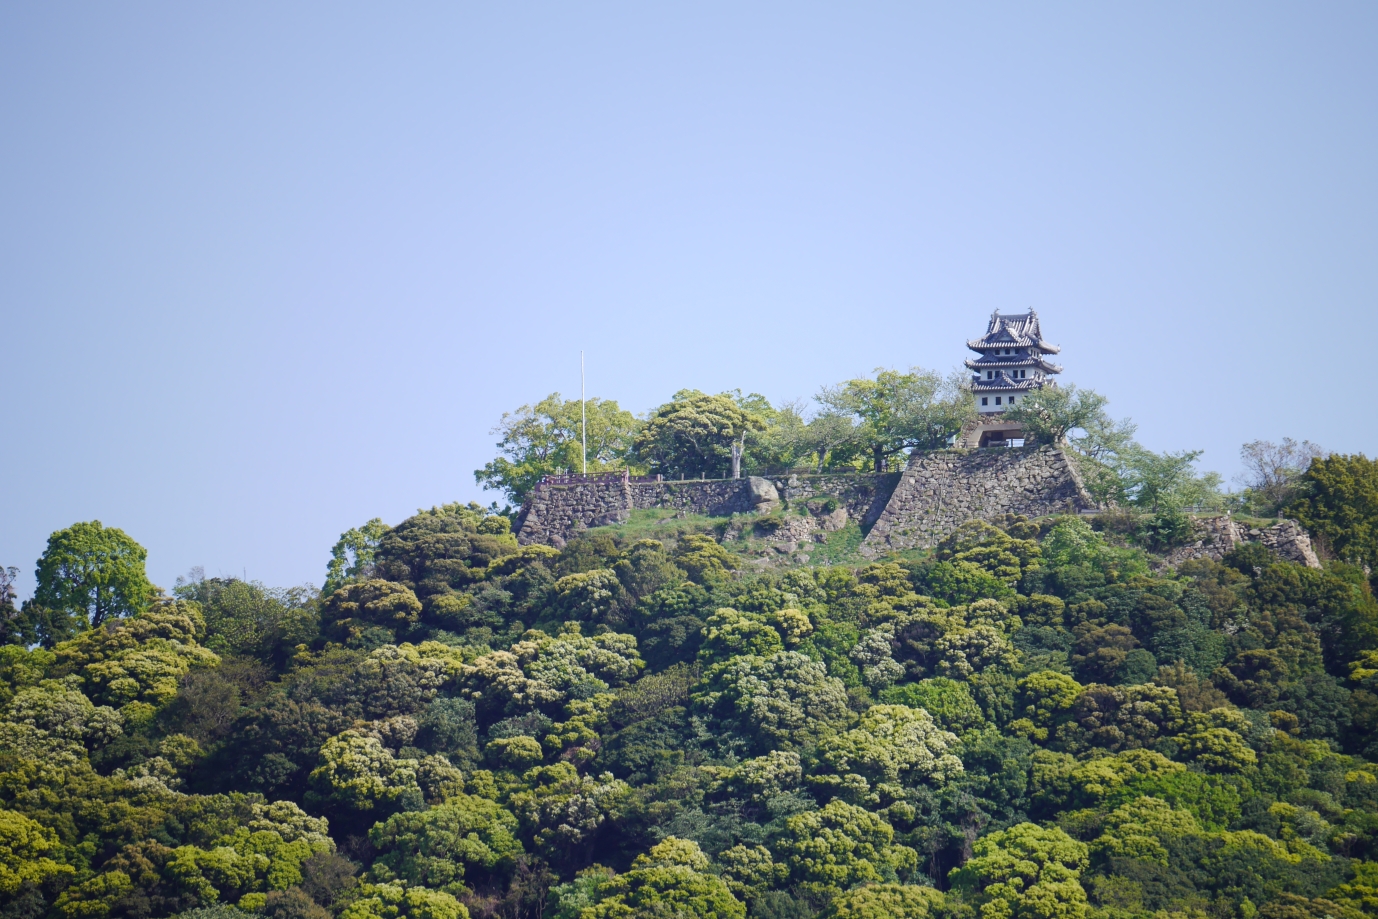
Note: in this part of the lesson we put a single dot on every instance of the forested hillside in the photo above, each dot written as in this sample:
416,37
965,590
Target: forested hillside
1037,719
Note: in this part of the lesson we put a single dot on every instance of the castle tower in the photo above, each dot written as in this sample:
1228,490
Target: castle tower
1012,364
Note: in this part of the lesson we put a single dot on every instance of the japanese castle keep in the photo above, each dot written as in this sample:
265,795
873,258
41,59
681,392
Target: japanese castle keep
1012,364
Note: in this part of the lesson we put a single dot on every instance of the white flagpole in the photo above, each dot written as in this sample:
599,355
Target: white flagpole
583,416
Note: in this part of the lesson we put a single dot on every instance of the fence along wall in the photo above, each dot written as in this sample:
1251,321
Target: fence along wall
937,492
556,510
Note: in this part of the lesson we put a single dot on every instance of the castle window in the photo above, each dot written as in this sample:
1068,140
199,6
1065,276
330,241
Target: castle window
985,401
1011,400
997,400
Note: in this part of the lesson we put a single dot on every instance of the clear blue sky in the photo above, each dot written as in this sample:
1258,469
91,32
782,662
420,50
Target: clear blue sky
269,270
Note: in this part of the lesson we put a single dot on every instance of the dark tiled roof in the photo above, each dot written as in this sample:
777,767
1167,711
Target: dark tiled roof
1002,383
1019,330
992,362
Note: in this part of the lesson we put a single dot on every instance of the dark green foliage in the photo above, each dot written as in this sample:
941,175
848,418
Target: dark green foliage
246,618
1339,504
449,727
1031,722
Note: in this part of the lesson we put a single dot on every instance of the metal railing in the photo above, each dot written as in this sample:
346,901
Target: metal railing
597,478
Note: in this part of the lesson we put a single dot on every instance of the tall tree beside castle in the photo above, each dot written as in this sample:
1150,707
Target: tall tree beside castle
899,412
544,439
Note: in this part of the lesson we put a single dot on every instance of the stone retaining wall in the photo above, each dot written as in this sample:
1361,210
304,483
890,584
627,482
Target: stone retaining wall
935,494
863,495
711,497
1218,535
943,489
554,513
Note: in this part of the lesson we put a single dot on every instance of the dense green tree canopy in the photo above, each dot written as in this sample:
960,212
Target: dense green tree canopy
697,435
896,412
550,437
1034,719
88,574
1339,503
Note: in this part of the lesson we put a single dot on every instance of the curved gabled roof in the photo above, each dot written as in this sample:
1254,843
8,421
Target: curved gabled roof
1002,383
1013,330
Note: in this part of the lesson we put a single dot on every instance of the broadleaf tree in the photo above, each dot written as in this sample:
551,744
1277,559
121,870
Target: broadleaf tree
897,412
547,438
88,574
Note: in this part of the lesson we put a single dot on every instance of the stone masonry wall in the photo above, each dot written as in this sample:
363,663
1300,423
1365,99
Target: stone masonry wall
712,497
863,495
1218,535
553,513
942,489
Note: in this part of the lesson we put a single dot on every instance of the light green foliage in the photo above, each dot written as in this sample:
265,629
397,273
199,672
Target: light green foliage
563,811
729,633
1339,503
1073,544
26,848
1026,872
894,744
94,898
91,573
352,557
440,552
545,438
400,679
358,773
518,752
21,667
396,901
1168,480
578,666
1361,892
1045,702
437,847
778,700
750,870
840,846
357,606
695,434
705,561
245,861
140,659
765,777
1049,414
991,549
963,652
588,595
874,654
1144,828
670,880
55,721
1214,740
1110,778
887,901
828,435
895,412
948,701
